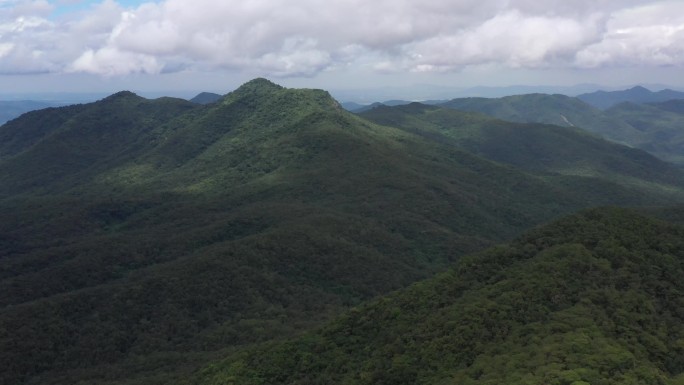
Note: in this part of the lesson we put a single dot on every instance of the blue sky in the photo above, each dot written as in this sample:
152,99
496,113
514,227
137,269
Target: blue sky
66,7
84,46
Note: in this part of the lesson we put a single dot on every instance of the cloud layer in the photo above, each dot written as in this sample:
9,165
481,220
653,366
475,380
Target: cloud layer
305,37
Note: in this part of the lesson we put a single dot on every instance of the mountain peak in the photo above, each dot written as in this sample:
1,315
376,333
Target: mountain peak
123,94
640,89
258,85
274,97
206,98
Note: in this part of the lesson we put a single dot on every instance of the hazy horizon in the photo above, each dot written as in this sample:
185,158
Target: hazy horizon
419,92
175,46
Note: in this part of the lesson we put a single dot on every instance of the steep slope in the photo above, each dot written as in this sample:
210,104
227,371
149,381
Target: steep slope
559,110
174,235
533,147
592,299
637,95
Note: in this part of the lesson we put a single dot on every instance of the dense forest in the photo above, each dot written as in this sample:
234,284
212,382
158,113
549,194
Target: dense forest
261,237
595,298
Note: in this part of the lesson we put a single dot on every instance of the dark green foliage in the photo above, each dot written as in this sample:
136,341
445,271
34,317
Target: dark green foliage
595,298
22,133
59,148
14,108
140,238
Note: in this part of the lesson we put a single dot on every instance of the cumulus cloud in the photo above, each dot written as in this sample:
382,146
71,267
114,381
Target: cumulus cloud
647,35
305,37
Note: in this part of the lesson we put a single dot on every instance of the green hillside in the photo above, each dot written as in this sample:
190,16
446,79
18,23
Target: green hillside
141,238
10,109
559,110
595,298
661,125
51,150
654,128
541,148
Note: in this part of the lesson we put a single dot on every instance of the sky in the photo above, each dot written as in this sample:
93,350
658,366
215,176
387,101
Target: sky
215,45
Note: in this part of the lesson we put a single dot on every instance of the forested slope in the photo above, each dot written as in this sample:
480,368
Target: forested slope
596,298
142,238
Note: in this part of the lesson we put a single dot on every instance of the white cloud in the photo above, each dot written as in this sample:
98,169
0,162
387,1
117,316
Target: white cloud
19,8
512,39
111,61
648,35
305,37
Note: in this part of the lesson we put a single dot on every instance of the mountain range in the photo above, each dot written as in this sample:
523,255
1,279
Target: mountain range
638,95
165,241
653,127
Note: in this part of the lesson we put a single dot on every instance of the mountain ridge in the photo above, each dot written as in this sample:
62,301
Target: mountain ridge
205,229
637,94
534,147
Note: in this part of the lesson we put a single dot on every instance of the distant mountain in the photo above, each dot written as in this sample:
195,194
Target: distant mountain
12,109
559,110
653,127
141,239
660,123
206,98
368,107
675,105
425,92
352,106
639,95
358,108
592,299
532,146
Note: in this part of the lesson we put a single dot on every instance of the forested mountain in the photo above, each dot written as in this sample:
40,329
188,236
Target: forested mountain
676,105
637,95
532,146
595,298
650,127
141,238
13,108
206,98
560,110
661,125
